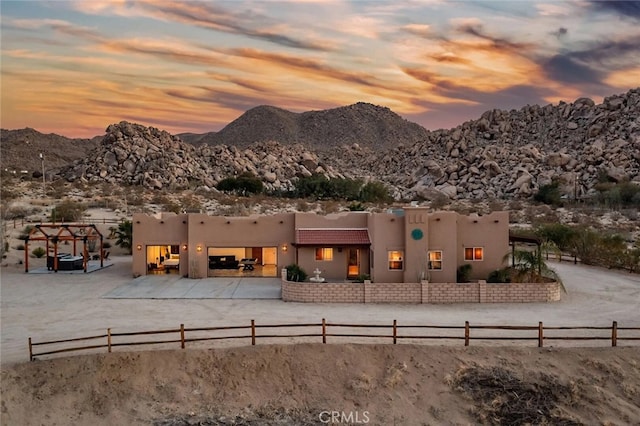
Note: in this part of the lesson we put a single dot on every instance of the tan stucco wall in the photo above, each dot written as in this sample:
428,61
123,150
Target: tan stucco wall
446,231
488,231
169,229
386,231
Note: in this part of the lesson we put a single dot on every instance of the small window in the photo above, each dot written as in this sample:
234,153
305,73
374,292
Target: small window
395,260
473,253
324,253
435,260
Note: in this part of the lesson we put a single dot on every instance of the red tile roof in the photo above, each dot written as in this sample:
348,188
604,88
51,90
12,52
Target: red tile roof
332,237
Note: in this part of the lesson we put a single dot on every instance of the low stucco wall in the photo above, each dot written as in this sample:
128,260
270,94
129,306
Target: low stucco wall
424,292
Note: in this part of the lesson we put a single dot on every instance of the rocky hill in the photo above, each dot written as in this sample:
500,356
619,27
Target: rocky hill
138,155
513,153
20,150
365,124
501,154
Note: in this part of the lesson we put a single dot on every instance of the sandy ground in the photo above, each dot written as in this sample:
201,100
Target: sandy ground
298,384
54,306
295,384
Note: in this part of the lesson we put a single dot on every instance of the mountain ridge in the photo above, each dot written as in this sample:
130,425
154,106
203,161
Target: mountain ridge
500,154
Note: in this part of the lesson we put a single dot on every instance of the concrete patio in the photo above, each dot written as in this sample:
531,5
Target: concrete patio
172,286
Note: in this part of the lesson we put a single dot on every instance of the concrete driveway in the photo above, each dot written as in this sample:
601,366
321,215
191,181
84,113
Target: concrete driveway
176,287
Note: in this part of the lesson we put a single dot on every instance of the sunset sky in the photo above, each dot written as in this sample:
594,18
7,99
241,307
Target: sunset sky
74,67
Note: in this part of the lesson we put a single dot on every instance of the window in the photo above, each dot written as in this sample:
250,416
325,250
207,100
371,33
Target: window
473,253
395,260
435,260
324,253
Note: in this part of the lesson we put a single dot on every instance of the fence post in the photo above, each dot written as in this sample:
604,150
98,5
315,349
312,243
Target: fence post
395,331
466,333
30,350
253,332
324,331
540,334
109,340
182,336
614,334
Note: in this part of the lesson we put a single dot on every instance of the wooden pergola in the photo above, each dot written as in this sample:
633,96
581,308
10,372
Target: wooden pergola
56,233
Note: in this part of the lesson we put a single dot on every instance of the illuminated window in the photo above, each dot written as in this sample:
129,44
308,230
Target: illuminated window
435,260
473,253
395,260
324,253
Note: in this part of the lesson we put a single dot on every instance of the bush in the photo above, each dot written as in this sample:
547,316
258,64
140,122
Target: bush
246,183
106,244
20,247
38,252
362,278
375,192
296,273
549,194
463,273
500,276
67,211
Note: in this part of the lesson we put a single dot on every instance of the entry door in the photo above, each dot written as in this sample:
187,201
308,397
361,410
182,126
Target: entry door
353,266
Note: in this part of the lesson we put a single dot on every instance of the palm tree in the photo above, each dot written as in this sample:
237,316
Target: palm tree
529,266
124,235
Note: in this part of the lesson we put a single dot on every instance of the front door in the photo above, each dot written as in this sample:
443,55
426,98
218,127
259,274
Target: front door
353,266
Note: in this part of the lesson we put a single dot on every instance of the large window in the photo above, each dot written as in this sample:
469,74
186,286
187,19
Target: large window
395,260
435,260
473,253
324,253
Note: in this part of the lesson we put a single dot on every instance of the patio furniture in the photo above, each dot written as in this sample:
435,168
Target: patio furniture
223,262
248,264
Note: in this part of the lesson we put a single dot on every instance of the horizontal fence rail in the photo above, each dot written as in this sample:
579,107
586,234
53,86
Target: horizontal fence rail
379,333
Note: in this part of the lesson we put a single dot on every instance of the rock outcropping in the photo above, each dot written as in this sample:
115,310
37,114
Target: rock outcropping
139,155
502,154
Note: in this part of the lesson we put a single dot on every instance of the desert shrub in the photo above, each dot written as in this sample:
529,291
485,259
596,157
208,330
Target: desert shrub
106,244
68,211
623,194
356,206
549,194
375,192
245,184
24,234
463,273
362,278
38,252
20,247
296,273
500,276
561,235
319,187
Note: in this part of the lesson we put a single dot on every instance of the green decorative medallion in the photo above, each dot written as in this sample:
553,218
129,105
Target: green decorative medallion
417,234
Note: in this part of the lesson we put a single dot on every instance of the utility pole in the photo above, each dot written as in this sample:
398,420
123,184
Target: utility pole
44,179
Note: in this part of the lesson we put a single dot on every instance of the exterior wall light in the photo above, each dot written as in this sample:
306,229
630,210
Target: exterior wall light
198,248
285,248
184,247
139,247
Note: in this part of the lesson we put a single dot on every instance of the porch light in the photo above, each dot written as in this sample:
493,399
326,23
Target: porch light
198,248
284,247
139,247
184,247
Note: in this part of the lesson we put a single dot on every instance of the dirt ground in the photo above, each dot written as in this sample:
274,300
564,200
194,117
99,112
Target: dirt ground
303,384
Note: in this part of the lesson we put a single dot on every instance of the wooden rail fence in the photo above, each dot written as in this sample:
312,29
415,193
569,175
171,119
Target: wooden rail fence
21,222
326,329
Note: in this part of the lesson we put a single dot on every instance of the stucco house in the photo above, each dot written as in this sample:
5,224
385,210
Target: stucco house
406,244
